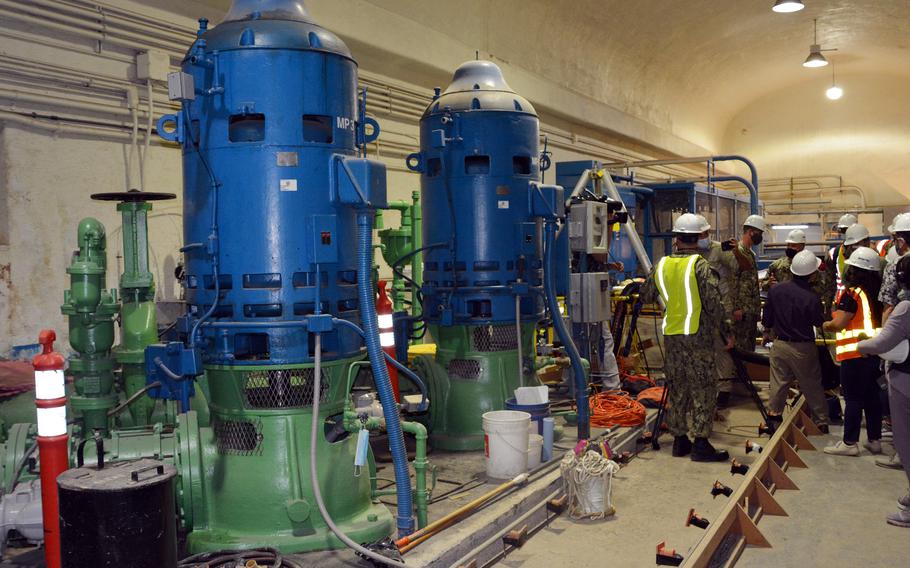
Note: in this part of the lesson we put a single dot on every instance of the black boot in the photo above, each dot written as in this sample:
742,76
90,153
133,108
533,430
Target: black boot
681,446
703,451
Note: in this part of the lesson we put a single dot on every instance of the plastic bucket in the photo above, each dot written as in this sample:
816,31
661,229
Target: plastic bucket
535,445
537,411
505,443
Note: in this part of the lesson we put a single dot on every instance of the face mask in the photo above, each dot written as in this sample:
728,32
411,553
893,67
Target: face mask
790,253
757,238
704,243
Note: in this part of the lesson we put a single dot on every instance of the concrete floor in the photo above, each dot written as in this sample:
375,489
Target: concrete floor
835,520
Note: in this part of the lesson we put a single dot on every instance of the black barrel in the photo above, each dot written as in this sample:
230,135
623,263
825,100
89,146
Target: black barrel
119,514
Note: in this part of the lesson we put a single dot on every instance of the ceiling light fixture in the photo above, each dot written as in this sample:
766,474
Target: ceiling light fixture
834,92
816,59
788,6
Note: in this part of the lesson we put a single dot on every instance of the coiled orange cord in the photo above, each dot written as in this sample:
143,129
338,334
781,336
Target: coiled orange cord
616,408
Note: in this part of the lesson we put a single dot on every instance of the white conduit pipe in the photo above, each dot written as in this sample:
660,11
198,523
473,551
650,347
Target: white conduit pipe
314,472
143,166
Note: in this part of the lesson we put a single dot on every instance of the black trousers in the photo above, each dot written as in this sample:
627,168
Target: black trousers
859,383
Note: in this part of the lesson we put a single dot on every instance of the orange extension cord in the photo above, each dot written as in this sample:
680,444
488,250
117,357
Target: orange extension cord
616,408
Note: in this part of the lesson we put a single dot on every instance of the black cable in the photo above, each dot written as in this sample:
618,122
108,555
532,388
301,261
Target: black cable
17,472
122,406
231,558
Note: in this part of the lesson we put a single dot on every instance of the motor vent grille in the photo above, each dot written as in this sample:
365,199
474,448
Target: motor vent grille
238,437
282,388
492,338
465,369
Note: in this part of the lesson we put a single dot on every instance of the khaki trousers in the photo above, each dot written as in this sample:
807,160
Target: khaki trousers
797,362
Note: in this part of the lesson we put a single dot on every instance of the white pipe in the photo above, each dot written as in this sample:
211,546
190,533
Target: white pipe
148,134
521,364
314,473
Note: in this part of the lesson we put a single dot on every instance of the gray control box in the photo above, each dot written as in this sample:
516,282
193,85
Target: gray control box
589,298
589,228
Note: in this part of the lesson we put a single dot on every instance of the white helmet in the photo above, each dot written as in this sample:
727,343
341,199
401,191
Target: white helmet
865,258
804,263
690,224
846,220
755,221
855,233
705,226
900,224
796,237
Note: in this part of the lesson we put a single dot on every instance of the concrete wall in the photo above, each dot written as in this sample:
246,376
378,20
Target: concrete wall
862,137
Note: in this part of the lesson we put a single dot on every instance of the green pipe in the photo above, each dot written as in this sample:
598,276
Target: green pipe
422,494
138,317
352,423
417,242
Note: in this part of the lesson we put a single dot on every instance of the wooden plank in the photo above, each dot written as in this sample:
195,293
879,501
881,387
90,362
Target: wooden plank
734,518
797,439
779,477
769,504
791,456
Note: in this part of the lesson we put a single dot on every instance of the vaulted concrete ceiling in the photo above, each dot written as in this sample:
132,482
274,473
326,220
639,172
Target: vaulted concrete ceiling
684,66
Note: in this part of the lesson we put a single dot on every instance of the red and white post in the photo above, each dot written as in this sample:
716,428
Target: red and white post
53,441
387,334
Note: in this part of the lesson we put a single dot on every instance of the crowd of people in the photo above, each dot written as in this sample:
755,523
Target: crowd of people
857,298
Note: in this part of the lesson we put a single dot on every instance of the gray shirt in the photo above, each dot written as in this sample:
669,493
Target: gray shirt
896,329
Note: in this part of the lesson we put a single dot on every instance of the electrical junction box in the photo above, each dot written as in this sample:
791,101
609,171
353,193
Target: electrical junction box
589,228
181,87
589,297
154,65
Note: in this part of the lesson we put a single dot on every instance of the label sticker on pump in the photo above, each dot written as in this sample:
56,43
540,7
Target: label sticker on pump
289,185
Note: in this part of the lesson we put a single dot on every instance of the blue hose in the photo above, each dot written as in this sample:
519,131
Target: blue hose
581,383
411,375
381,373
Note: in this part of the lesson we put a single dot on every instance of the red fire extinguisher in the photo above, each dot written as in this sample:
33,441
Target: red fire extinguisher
53,440
387,333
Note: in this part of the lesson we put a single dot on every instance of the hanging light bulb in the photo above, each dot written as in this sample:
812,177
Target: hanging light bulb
788,6
816,59
834,92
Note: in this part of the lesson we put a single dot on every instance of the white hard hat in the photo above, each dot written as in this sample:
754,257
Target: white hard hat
900,224
897,354
855,233
846,220
804,263
705,226
797,237
755,221
865,258
690,224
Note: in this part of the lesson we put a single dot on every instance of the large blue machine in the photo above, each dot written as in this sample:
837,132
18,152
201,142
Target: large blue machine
278,213
483,259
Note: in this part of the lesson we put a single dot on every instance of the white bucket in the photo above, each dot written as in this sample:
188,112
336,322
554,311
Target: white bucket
535,445
505,443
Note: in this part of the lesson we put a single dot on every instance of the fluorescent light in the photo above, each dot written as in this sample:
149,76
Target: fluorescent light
788,6
815,59
834,92
789,227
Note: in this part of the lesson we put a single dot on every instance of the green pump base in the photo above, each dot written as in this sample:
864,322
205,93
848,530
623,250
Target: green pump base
475,371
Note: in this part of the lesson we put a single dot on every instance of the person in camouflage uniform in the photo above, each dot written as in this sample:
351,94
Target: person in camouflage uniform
689,363
724,264
779,270
745,292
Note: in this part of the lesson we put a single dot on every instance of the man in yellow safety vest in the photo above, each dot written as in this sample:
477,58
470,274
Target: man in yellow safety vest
694,316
